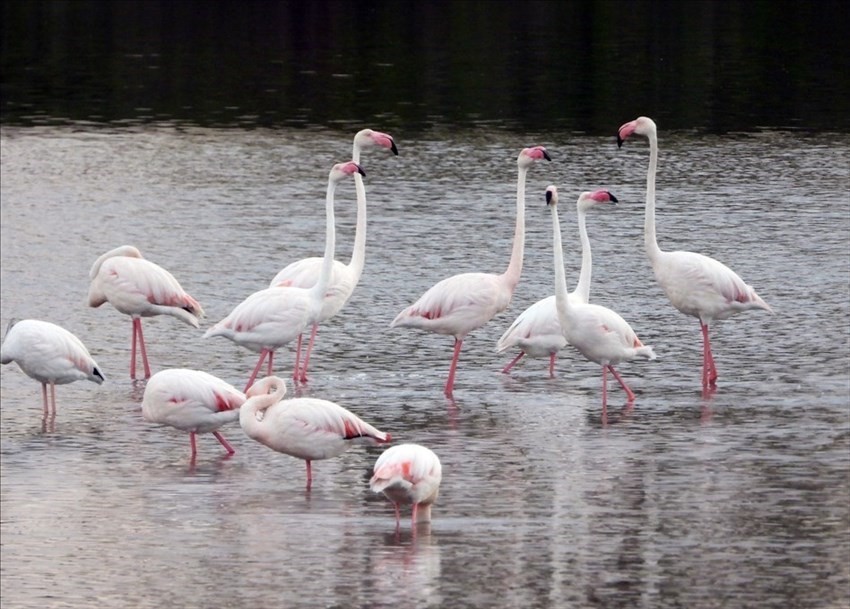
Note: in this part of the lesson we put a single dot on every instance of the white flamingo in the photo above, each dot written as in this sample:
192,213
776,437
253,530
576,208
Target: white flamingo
408,474
139,288
271,318
597,332
536,331
459,304
344,277
193,401
695,284
306,428
49,354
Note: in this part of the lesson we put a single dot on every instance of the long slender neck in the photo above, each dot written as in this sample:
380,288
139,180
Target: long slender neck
515,265
561,301
321,286
248,412
358,256
650,241
582,290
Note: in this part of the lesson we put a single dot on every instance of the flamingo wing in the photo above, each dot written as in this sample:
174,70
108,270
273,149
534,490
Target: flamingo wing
408,472
191,400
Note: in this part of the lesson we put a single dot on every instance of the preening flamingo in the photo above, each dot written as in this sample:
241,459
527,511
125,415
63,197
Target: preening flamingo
536,331
344,277
271,318
695,284
459,304
408,474
598,333
193,401
49,354
306,428
139,288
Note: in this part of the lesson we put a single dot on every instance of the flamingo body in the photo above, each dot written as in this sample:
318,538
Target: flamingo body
408,474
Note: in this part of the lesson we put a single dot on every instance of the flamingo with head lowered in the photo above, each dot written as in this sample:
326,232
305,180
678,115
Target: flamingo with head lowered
695,284
408,474
462,303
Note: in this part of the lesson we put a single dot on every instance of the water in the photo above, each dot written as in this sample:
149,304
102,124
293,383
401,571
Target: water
739,499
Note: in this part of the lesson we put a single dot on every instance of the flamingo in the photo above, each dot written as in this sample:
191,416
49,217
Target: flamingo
49,354
306,428
597,332
536,331
695,284
193,401
344,277
408,474
271,318
139,288
459,304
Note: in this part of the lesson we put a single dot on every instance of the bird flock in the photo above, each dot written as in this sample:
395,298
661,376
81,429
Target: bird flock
311,291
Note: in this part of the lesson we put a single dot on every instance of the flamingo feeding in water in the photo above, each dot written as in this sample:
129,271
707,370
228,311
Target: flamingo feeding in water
306,428
305,273
271,318
536,331
139,288
598,333
695,284
462,303
193,401
49,354
408,474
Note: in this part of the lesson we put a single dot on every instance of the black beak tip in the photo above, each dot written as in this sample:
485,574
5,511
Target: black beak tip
394,149
619,141
546,156
613,198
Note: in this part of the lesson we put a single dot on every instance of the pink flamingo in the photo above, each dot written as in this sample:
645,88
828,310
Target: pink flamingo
344,277
598,333
139,288
193,401
271,318
459,304
49,354
306,428
695,284
408,474
536,331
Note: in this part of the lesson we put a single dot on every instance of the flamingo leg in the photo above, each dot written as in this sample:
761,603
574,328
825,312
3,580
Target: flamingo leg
450,382
513,362
309,475
224,442
297,359
397,515
604,386
142,349
193,444
44,398
53,398
259,365
309,351
629,392
133,352
270,360
709,371
413,516
552,365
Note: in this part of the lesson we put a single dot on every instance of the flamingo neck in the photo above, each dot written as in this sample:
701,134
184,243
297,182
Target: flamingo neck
518,251
358,256
650,241
256,404
562,303
321,286
582,290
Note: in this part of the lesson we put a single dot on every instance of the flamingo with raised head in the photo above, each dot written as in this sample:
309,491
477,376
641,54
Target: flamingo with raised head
536,331
462,303
139,288
193,401
305,273
49,354
408,474
271,318
597,332
695,284
306,428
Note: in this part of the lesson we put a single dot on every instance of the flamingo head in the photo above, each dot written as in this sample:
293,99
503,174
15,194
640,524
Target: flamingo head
370,137
552,196
586,200
641,126
267,386
341,171
528,155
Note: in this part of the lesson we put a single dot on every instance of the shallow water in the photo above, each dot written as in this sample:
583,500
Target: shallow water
735,499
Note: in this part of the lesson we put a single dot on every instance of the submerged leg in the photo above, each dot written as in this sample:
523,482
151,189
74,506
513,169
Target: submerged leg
193,444
450,382
709,371
552,365
604,385
513,362
309,475
303,376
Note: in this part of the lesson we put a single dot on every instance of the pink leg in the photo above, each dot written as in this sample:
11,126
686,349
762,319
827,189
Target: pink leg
44,398
513,362
413,516
259,365
604,386
629,393
142,349
271,365
224,442
133,352
309,351
309,475
297,368
450,382
397,516
193,445
552,365
709,371
53,398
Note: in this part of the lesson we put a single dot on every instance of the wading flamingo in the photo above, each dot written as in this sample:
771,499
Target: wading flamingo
139,288
306,428
598,333
344,277
271,318
408,474
695,284
459,304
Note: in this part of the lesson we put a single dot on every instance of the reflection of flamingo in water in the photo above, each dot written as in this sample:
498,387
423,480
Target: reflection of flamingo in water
408,474
695,284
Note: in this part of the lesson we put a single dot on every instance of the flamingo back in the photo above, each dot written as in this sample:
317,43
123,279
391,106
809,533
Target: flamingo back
305,273
407,473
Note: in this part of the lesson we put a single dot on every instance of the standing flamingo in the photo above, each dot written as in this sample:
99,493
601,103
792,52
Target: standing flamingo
598,333
305,272
139,288
695,284
536,331
459,304
306,428
408,474
193,401
271,318
49,354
